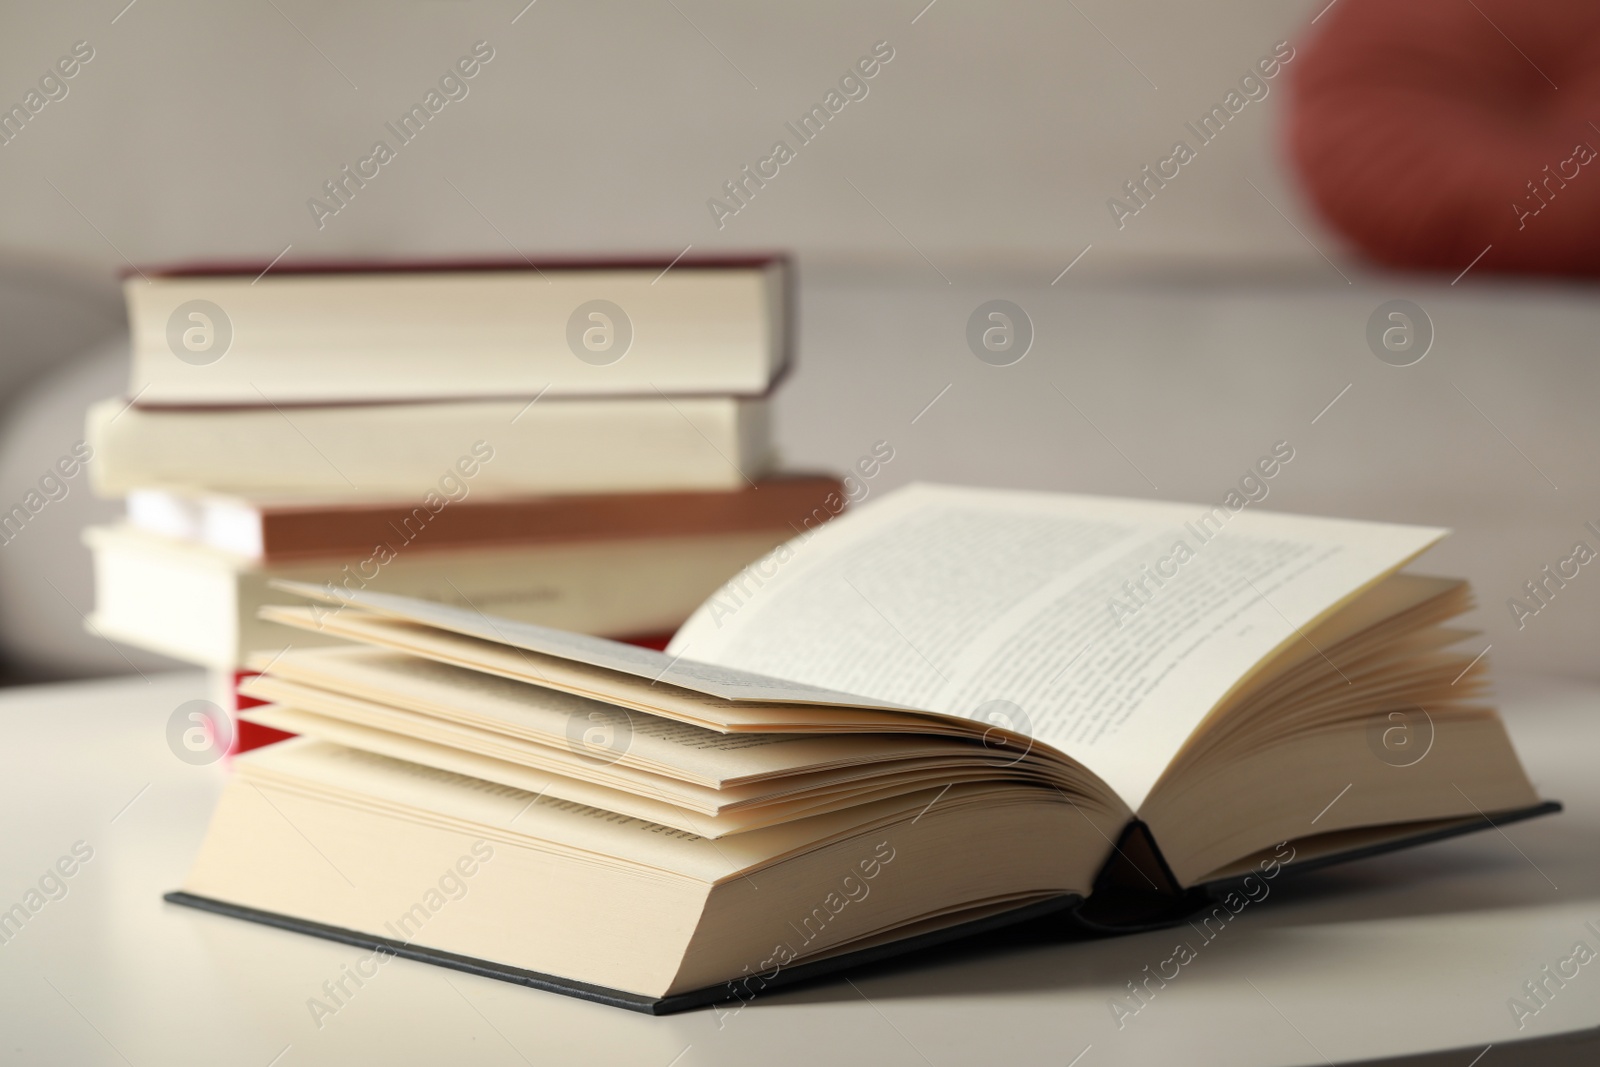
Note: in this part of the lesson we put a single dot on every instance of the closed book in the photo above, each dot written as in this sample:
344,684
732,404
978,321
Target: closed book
200,605
280,528
500,447
311,334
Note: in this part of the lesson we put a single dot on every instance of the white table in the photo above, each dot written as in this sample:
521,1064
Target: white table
1389,957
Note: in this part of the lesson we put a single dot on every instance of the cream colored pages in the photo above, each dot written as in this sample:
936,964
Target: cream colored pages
613,687
1107,628
517,709
601,652
401,451
438,797
459,761
297,338
704,820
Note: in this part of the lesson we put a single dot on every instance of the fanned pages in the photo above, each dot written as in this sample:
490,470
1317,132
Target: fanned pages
949,709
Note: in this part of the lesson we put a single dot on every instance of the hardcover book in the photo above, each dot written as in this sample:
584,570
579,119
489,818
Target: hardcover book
277,528
950,710
298,334
380,451
200,605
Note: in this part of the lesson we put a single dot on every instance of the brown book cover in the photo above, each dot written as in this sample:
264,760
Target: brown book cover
791,501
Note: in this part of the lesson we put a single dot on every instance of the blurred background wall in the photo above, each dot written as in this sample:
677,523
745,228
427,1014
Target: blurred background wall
1182,344
995,134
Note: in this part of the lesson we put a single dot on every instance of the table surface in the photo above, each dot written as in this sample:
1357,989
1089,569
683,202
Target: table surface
1387,957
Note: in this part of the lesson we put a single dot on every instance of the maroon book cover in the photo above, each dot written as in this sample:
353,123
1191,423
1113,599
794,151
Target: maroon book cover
782,502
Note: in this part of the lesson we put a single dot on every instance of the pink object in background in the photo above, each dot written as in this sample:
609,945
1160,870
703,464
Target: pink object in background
1430,130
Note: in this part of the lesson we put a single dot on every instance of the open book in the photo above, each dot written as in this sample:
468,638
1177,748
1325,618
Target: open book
949,709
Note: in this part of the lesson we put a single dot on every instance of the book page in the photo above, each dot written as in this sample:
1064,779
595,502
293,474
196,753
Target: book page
501,812
624,689
600,652
589,732
1106,628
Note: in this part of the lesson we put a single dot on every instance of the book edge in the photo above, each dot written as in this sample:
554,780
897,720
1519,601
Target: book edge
1467,825
756,260
754,396
619,998
1208,892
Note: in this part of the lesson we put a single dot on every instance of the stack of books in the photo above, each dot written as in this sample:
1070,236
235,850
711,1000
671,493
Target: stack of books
573,445
930,720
